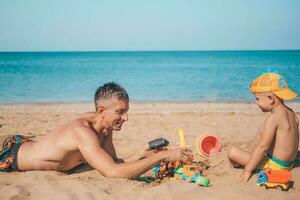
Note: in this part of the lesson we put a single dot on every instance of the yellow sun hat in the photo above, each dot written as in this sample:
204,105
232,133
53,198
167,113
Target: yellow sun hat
272,82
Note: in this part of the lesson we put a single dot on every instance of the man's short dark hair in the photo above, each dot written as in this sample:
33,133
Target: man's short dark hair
109,91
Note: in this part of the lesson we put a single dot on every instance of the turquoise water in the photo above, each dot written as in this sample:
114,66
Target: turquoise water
209,76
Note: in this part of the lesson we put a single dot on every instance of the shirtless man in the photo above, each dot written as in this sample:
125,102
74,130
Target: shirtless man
277,139
86,139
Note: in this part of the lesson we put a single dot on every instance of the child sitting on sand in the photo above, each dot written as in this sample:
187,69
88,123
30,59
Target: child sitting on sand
276,142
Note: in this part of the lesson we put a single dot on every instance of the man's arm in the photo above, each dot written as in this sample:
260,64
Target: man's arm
268,133
98,158
108,146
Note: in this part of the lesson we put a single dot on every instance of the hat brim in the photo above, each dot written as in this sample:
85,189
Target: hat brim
286,94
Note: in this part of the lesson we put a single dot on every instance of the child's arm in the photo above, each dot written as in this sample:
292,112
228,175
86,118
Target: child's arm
268,133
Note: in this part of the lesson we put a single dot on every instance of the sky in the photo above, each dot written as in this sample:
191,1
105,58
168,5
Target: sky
146,25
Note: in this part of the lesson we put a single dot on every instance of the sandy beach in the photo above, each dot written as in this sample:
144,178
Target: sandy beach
234,123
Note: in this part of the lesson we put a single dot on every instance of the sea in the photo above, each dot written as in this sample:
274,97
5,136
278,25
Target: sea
148,76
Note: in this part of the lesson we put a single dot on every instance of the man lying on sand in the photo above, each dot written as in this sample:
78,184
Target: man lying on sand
87,139
277,139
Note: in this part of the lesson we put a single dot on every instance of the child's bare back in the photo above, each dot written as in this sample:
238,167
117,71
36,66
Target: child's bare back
286,138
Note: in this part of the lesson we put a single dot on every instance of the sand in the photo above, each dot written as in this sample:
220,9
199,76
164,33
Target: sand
234,123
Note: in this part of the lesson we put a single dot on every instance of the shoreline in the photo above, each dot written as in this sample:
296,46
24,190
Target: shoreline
296,100
142,107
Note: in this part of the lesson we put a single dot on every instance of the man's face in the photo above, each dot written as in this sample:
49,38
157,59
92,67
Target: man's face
264,101
116,114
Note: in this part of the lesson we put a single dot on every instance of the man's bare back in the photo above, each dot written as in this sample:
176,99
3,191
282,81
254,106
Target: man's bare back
56,151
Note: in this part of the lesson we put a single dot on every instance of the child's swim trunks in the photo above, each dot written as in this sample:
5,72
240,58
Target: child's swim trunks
8,152
274,163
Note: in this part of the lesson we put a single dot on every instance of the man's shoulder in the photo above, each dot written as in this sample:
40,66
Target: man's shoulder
81,127
84,134
80,123
88,115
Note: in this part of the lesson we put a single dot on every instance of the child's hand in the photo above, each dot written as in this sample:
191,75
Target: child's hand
245,176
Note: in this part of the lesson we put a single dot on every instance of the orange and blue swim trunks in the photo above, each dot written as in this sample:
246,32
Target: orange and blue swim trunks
9,151
275,164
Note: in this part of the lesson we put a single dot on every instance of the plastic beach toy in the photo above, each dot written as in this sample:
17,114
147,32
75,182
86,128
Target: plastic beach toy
203,181
181,137
207,145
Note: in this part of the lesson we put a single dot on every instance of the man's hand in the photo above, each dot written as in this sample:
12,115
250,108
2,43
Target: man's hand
245,176
181,154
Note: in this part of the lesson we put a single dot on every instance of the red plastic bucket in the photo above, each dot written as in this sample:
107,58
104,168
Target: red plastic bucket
207,145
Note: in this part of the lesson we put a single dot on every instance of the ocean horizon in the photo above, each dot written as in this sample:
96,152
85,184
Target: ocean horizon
148,76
